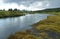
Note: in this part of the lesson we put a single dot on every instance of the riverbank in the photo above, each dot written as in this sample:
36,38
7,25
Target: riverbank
47,29
4,14
45,13
51,23
50,26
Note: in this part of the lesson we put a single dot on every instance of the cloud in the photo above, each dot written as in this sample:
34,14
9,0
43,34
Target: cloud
12,5
19,1
37,5
54,3
29,4
24,2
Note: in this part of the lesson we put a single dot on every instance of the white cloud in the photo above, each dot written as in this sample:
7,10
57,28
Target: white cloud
29,4
38,5
11,5
22,7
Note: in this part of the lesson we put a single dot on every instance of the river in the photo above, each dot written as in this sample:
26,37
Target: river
11,25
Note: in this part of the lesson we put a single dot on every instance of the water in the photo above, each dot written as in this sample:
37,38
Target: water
11,25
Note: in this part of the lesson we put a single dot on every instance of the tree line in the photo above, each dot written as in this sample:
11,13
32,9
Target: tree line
12,10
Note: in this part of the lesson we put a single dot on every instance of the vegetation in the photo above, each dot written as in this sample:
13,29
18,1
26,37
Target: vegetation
46,29
48,11
11,13
23,35
17,12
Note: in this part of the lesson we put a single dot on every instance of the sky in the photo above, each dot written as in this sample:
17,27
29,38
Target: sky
29,4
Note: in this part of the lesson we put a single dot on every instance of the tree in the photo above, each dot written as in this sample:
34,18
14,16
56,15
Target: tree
10,10
15,9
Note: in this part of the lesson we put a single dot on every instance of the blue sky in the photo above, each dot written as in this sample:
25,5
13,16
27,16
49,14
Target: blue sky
29,4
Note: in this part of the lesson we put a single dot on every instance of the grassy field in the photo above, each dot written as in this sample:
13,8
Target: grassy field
4,14
51,26
46,29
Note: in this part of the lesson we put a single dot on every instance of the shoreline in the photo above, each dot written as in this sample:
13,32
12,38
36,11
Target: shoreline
44,27
6,14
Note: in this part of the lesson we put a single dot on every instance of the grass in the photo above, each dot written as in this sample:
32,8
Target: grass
4,14
52,22
51,26
47,29
23,35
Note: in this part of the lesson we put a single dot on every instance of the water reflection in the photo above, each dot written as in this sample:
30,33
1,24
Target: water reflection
12,25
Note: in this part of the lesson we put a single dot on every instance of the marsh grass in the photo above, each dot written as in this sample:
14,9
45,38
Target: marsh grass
47,29
4,14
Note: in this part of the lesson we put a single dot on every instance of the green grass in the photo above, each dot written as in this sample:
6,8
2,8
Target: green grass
4,14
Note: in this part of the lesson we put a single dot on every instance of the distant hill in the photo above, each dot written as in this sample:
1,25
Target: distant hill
49,10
